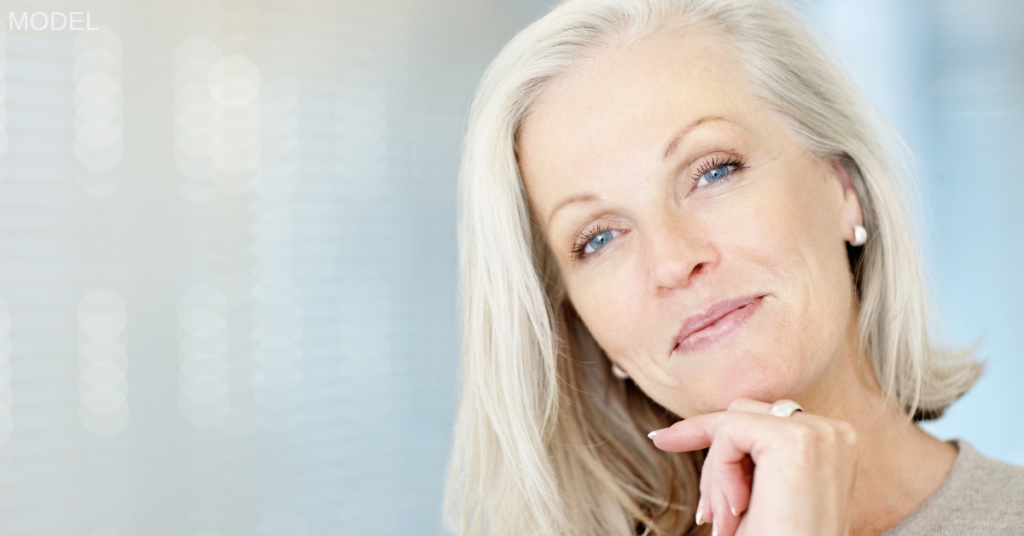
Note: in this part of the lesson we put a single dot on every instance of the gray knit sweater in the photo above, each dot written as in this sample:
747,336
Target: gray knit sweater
981,496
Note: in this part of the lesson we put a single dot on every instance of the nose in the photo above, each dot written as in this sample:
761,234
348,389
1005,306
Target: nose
677,252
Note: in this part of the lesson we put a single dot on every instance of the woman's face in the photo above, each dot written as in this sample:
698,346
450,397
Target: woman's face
671,196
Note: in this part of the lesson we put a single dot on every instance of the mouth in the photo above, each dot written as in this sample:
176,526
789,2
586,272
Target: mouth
714,324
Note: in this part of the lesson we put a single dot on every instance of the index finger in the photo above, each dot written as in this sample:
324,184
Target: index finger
695,433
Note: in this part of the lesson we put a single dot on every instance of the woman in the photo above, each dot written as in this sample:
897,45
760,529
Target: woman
678,217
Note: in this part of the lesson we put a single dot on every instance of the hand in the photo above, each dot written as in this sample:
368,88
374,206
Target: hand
770,475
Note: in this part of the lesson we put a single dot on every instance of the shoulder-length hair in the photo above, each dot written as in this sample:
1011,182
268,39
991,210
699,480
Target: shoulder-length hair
546,440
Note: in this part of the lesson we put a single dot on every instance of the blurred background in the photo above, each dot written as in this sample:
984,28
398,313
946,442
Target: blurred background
227,247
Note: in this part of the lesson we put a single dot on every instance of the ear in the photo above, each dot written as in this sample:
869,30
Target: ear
849,213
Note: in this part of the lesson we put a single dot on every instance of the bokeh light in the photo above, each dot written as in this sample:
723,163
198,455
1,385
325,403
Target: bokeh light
278,380
202,356
361,132
103,363
99,125
234,82
279,147
365,332
193,61
245,415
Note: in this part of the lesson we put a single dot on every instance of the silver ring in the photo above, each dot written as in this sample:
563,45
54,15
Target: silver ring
784,409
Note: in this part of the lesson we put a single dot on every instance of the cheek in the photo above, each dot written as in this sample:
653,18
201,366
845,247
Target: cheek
817,256
794,241
610,303
777,237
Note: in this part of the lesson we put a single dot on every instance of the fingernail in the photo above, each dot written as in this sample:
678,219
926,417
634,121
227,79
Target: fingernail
700,514
714,529
654,433
734,512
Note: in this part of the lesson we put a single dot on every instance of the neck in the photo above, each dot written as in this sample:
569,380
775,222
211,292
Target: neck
900,465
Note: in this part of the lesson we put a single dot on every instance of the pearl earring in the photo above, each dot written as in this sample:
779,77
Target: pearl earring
619,373
860,235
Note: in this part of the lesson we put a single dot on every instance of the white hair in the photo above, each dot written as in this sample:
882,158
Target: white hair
546,440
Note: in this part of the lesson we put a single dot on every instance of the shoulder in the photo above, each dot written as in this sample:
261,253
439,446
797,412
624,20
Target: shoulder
989,486
980,496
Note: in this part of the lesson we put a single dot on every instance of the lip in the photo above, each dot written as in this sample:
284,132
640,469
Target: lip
717,321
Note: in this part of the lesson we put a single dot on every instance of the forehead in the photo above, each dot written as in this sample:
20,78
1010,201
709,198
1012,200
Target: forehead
613,115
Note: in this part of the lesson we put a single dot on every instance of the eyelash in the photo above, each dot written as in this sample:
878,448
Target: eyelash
585,238
709,164
716,162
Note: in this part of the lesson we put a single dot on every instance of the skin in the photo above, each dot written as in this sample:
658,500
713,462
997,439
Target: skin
629,133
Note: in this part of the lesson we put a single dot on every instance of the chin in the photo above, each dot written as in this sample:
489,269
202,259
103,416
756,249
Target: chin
761,375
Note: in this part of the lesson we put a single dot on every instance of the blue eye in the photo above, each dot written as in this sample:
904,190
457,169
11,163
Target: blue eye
599,241
715,174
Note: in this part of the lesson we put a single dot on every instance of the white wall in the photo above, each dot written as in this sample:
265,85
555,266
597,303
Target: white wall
227,263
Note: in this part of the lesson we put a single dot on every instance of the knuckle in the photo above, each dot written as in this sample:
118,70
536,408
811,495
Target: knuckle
828,432
706,476
724,432
848,434
803,438
837,432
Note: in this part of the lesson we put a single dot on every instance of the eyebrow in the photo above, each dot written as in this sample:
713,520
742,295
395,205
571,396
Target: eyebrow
579,198
674,143
669,149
